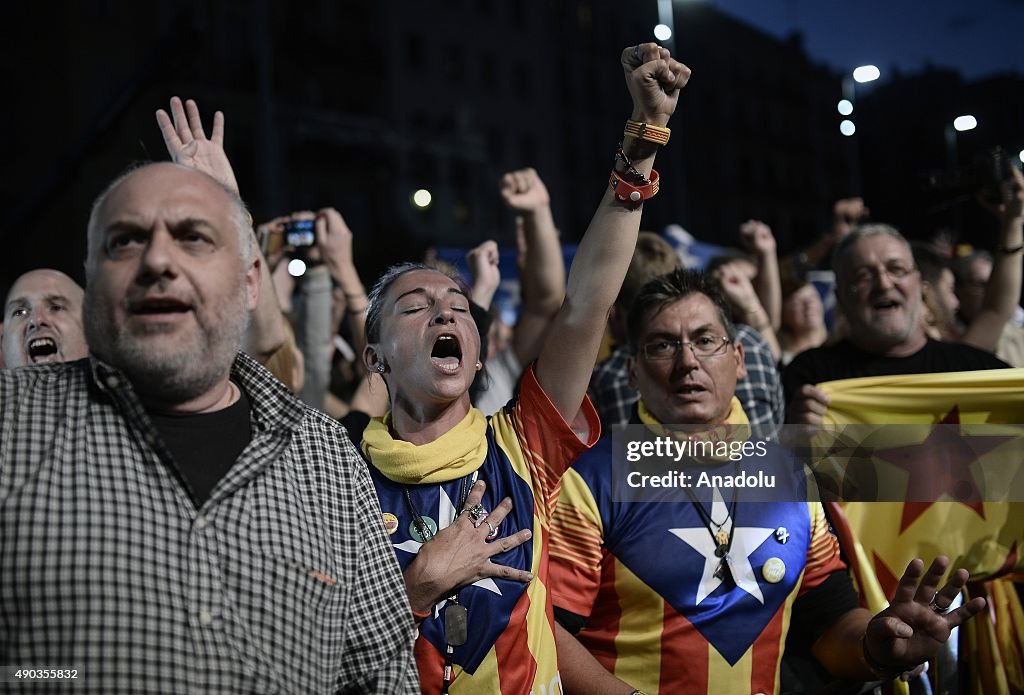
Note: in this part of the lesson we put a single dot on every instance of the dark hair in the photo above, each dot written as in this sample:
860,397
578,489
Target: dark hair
376,295
671,287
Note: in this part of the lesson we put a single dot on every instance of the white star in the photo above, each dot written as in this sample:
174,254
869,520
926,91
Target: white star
745,540
445,515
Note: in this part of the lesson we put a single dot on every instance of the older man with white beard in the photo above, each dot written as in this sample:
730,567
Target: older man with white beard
171,518
878,288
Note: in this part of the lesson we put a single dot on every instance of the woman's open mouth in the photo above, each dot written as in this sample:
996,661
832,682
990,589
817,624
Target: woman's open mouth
447,353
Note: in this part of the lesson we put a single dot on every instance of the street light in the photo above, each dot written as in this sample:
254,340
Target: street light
960,124
421,198
967,122
860,74
866,73
666,25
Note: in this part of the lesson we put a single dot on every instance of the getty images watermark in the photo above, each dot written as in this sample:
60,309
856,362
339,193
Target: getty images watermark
970,464
686,448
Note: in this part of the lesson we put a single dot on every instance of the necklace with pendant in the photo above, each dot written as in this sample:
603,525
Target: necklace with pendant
721,536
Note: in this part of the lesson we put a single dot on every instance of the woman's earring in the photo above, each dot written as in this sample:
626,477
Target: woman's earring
380,368
479,366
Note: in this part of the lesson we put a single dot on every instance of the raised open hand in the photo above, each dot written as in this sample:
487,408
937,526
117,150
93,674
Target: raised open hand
187,143
655,79
916,623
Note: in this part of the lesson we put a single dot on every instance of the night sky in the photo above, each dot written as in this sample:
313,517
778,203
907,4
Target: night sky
978,38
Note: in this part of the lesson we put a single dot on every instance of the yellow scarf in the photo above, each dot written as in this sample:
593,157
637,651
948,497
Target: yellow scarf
458,452
735,428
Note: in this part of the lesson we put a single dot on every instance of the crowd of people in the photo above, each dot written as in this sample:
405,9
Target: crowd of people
214,478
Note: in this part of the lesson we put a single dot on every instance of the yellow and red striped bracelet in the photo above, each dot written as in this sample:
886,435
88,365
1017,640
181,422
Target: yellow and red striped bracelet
645,131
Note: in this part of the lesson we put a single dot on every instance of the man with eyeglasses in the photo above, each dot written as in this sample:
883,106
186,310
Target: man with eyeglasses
691,589
879,291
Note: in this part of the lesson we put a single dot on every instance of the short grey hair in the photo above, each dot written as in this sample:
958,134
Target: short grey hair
240,215
865,231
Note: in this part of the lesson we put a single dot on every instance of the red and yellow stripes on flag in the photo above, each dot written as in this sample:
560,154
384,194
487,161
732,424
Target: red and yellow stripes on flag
984,537
651,646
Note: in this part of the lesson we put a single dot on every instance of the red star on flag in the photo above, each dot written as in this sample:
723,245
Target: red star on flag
941,465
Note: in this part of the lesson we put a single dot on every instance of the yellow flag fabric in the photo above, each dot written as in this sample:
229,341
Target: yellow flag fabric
985,537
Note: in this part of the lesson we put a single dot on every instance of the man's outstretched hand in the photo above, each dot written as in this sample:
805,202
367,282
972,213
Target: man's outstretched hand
187,143
914,626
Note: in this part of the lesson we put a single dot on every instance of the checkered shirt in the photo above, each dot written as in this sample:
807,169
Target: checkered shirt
283,581
760,393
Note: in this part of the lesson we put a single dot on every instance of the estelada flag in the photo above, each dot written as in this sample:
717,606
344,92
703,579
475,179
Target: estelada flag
970,459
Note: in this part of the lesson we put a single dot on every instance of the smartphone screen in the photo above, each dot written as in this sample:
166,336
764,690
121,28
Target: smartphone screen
300,233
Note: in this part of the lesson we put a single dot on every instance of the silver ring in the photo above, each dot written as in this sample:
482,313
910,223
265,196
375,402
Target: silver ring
494,530
937,608
636,55
475,513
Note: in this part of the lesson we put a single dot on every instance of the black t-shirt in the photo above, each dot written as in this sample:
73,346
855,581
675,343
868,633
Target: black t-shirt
205,446
355,423
844,360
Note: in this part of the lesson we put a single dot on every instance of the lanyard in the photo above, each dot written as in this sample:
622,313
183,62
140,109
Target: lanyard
456,617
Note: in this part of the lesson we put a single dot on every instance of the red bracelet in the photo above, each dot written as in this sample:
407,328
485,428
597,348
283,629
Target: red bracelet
633,195
420,617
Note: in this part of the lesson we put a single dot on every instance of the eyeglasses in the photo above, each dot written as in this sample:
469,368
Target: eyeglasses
867,277
668,349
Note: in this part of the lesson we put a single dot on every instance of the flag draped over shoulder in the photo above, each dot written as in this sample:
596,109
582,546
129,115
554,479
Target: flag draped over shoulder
974,455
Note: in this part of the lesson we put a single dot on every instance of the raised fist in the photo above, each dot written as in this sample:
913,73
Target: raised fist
654,79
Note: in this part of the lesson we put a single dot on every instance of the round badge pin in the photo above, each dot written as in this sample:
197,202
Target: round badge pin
390,522
431,530
774,570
